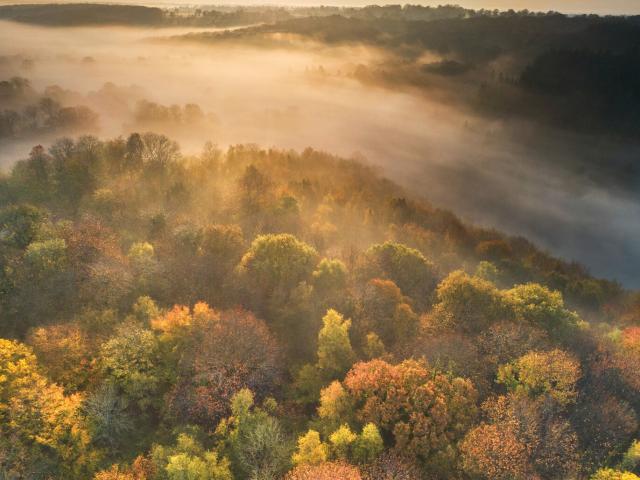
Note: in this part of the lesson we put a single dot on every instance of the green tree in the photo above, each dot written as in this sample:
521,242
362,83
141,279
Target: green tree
255,440
275,264
543,307
335,355
188,460
341,442
131,361
368,445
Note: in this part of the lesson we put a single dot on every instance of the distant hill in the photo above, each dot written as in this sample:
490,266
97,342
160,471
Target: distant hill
74,14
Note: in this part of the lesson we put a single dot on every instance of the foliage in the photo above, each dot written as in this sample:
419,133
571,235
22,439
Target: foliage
469,303
257,444
223,353
368,445
311,451
424,411
41,430
334,292
610,474
335,355
324,471
131,360
553,373
188,459
406,267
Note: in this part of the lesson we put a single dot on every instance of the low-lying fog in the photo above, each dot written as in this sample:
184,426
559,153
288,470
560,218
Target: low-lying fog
279,97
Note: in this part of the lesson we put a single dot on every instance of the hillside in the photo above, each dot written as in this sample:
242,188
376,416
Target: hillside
166,313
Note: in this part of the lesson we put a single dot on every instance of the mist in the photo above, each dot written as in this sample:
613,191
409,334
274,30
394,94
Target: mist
491,174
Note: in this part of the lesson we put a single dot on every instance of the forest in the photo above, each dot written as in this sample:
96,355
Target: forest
247,313
180,303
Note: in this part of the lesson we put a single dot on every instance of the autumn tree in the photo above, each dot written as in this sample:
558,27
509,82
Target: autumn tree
469,303
335,357
424,411
543,308
522,438
275,264
324,471
223,352
385,312
392,465
42,432
311,450
406,267
611,474
65,352
188,459
553,373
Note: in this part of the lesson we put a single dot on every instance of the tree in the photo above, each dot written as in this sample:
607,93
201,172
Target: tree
631,458
188,460
221,353
341,442
255,188
406,267
504,342
108,417
335,355
424,411
369,445
158,152
46,257
324,471
385,312
114,473
254,439
495,452
41,430
553,373
221,249
131,361
611,474
330,277
392,465
522,438
311,450
275,264
605,425
21,225
65,352
336,406
542,307
469,303
144,265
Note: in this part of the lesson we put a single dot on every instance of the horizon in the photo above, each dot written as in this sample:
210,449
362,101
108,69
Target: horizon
572,7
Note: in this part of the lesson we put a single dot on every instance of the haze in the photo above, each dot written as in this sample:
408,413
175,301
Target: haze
281,97
601,7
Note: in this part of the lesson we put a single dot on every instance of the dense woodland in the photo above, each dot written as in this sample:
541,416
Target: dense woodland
267,314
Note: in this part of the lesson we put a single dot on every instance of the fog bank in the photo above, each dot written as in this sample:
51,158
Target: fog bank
294,98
